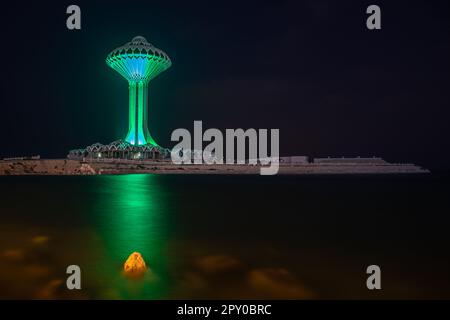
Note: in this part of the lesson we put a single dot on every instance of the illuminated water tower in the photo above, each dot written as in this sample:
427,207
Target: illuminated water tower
139,62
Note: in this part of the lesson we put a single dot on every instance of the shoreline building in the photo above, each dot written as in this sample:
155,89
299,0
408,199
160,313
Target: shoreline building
138,62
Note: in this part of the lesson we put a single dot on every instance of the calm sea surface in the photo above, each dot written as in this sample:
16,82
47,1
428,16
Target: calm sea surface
225,236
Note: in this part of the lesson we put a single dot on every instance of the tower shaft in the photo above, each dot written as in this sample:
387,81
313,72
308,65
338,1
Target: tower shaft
138,133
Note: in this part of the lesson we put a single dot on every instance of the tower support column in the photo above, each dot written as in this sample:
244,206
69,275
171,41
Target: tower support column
138,133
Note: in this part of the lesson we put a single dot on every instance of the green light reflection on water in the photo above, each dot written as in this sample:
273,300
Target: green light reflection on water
130,216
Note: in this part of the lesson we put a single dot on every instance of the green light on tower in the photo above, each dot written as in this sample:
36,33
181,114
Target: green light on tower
139,62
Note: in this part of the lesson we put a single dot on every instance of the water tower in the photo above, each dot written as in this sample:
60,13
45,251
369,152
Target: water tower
139,62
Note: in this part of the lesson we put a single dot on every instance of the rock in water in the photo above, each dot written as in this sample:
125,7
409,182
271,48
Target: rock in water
135,265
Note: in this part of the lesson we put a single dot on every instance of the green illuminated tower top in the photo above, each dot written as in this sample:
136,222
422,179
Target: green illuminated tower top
139,62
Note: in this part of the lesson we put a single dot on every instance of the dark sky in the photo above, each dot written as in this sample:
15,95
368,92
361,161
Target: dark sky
310,68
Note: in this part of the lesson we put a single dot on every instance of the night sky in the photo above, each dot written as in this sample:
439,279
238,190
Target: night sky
310,68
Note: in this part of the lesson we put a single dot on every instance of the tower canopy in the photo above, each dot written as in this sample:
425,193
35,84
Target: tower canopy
138,60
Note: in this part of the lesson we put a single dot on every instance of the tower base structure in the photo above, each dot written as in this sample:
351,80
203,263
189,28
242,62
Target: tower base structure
120,149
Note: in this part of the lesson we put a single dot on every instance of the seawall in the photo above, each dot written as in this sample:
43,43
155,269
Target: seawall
77,167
